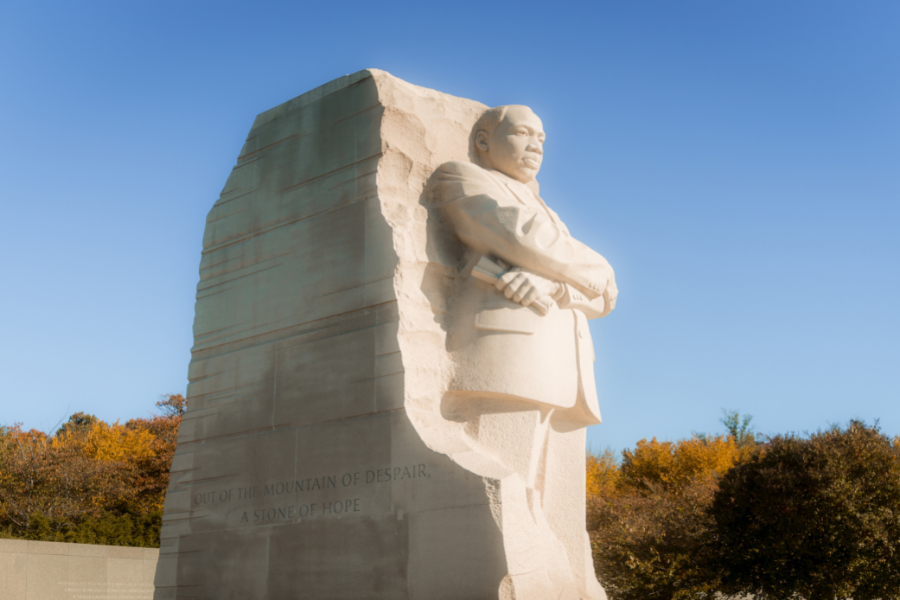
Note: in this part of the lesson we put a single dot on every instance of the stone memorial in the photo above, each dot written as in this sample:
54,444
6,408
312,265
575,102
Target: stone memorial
392,368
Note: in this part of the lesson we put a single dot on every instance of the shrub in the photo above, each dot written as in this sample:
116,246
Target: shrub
817,518
108,529
647,519
651,544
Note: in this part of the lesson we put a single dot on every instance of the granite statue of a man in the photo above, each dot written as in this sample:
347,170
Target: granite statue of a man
523,385
391,373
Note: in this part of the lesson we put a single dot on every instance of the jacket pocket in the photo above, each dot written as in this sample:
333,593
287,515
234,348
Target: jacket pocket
508,320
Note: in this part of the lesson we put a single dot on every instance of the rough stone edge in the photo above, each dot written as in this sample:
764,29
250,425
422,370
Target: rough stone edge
427,367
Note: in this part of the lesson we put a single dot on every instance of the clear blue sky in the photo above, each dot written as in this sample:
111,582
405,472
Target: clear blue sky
737,162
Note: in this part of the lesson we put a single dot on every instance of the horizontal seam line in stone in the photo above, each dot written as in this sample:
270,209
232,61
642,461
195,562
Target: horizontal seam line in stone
248,162
211,286
358,285
248,343
293,136
220,201
359,112
207,478
224,260
231,392
226,215
281,428
241,257
347,166
263,231
376,377
232,190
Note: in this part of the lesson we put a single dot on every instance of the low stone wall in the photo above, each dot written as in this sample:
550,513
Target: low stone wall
56,571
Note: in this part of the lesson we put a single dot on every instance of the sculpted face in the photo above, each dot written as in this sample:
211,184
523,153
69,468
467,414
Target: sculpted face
516,148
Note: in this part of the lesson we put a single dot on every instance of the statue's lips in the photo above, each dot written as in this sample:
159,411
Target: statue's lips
531,162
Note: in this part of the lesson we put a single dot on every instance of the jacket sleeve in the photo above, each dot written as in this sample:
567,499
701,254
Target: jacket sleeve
489,220
592,309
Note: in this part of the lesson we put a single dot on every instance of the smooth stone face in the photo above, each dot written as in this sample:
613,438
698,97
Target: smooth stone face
336,443
61,571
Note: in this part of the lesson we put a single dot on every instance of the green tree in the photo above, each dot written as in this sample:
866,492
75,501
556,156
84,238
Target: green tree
816,518
740,428
77,423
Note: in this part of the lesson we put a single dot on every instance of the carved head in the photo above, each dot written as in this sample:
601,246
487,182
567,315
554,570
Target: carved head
510,139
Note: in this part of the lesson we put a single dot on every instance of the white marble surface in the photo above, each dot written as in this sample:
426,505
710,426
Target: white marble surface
321,455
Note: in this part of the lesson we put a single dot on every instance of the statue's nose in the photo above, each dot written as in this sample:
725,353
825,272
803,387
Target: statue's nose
535,146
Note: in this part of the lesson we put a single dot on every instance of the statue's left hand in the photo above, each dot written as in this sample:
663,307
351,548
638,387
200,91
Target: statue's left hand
609,296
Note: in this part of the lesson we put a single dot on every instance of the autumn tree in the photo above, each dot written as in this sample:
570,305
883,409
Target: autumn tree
90,481
152,470
817,518
675,464
648,532
650,544
602,474
47,477
648,517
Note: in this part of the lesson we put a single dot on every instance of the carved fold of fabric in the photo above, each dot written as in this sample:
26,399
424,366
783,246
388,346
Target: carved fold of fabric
516,233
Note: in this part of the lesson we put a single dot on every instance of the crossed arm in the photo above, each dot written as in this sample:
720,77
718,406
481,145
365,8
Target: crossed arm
526,288
549,262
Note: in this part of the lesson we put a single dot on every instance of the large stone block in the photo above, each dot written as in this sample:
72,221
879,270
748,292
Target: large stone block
356,428
299,472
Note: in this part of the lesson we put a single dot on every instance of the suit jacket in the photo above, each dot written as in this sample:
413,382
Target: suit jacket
503,349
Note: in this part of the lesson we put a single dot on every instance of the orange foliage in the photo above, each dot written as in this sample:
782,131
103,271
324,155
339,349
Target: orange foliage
679,463
88,467
602,474
39,476
110,443
151,476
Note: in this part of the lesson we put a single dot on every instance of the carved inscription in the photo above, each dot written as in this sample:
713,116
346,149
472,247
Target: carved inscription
282,513
345,505
84,590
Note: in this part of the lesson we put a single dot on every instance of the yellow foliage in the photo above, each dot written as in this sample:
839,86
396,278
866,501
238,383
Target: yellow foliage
602,474
679,463
87,468
704,457
111,443
114,443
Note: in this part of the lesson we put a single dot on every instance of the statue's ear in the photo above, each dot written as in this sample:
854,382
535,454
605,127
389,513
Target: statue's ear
481,141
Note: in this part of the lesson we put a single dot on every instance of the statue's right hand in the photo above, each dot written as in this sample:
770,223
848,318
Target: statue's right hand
524,287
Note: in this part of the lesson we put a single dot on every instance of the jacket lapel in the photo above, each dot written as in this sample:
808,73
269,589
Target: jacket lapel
524,195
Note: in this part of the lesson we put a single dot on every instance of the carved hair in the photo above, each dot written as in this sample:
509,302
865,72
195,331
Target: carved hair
487,122
489,119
